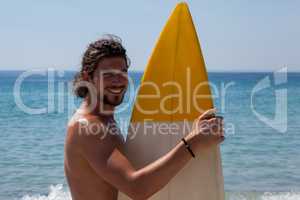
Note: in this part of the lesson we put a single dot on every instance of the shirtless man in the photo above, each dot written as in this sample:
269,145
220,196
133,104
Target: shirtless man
95,165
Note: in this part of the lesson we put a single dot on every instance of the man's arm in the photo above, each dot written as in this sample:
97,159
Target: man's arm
106,158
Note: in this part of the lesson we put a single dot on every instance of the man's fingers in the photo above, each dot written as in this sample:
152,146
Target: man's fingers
208,114
215,121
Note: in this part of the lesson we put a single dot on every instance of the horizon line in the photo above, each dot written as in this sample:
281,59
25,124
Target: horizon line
141,71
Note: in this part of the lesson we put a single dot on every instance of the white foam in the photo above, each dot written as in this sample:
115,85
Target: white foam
57,192
281,196
262,196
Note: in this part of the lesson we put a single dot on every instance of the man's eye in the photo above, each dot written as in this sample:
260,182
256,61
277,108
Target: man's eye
108,74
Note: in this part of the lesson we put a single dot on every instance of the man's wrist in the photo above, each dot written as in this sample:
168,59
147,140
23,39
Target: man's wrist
188,147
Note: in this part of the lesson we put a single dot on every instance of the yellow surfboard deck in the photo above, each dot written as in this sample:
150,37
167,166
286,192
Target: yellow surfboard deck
174,91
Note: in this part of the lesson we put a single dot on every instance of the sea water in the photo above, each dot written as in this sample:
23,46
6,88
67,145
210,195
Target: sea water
260,162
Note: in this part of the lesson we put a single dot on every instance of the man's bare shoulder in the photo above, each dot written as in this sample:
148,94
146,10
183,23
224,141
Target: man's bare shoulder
83,125
82,117
89,131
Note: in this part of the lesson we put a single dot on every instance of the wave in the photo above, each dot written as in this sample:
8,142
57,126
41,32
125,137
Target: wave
262,196
57,192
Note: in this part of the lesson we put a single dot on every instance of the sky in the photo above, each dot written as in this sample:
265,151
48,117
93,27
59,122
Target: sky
235,35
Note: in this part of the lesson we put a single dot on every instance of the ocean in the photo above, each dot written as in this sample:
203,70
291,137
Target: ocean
261,153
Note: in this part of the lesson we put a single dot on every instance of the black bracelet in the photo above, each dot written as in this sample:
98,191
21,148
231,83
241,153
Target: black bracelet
187,146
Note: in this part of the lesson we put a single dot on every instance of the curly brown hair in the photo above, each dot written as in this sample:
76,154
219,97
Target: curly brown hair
107,46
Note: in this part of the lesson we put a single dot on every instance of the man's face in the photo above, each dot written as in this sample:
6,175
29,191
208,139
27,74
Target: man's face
110,80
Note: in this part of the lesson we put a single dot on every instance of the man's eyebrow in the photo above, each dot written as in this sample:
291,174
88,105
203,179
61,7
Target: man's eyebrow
112,68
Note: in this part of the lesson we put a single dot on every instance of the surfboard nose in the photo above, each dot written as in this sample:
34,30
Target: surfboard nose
175,76
181,8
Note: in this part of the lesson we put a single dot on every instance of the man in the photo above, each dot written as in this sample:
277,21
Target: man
95,165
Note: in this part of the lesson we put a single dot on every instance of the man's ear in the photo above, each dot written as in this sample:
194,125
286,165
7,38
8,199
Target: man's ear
85,75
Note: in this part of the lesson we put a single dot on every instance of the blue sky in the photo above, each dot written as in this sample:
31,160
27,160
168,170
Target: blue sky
235,35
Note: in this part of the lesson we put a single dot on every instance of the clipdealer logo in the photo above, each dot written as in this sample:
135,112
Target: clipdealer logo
279,122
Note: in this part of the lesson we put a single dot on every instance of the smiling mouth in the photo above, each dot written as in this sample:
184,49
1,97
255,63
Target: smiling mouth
116,90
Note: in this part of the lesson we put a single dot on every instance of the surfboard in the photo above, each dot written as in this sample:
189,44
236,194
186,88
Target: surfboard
174,91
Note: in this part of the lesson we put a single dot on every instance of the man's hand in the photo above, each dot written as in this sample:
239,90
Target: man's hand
207,130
